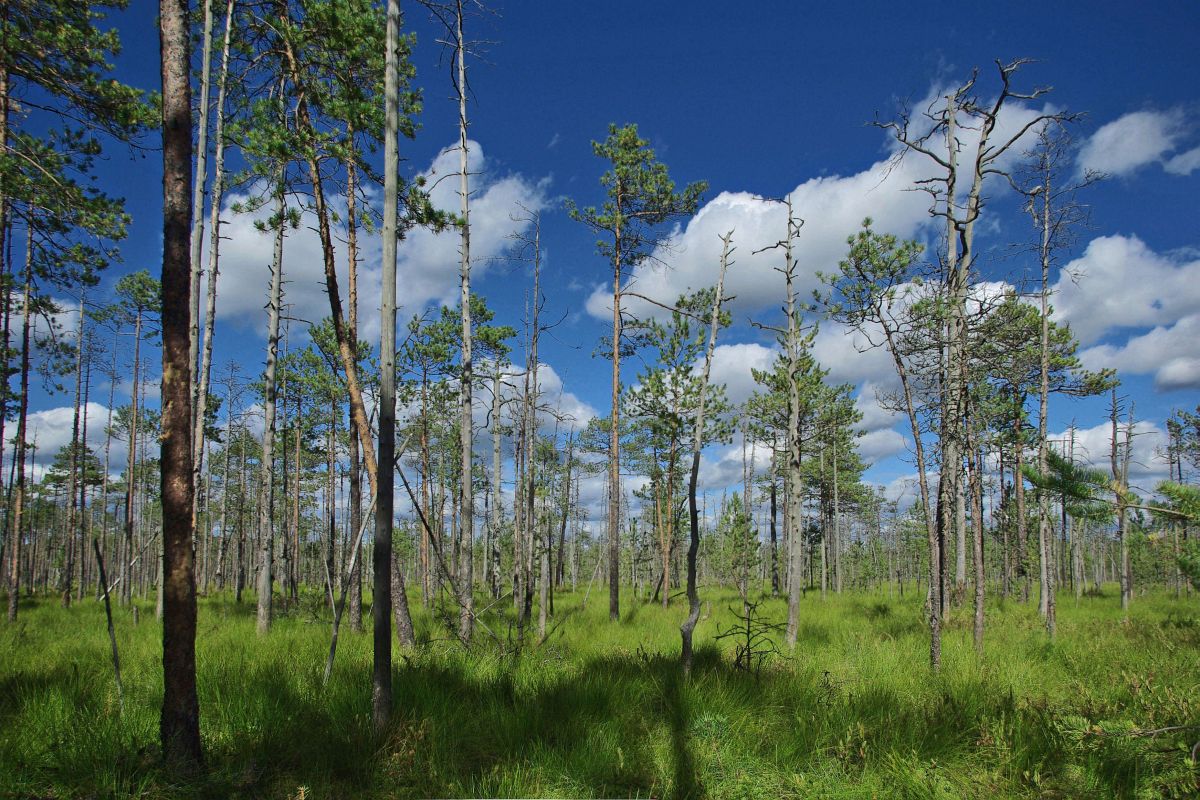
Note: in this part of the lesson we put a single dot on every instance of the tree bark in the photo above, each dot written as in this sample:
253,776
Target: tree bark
466,517
214,246
17,519
381,602
266,486
689,625
180,722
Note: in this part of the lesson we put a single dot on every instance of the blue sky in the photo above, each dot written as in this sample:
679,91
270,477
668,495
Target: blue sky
767,99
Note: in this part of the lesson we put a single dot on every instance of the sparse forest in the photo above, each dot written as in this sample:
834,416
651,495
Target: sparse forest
431,477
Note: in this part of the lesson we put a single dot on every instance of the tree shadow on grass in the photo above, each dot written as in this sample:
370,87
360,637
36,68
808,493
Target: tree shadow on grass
543,722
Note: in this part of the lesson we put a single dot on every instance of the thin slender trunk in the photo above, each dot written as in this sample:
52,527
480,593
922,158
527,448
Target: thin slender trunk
1044,533
75,479
196,238
225,486
466,518
266,487
977,513
381,602
16,522
614,442
214,245
355,459
689,625
130,469
795,481
493,555
85,526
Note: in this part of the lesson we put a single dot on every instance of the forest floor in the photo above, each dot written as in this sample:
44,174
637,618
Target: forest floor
601,709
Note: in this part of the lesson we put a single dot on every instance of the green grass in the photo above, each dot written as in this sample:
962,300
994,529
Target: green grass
601,709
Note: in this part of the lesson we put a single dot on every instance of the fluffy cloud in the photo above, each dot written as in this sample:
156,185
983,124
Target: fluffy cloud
732,365
50,430
428,262
1135,140
1119,282
833,208
1183,164
1168,352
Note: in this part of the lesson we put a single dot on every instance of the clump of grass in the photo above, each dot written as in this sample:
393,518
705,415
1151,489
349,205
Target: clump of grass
601,709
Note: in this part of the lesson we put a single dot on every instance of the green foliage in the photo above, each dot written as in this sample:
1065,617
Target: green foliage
64,48
1077,486
602,710
874,280
641,198
138,296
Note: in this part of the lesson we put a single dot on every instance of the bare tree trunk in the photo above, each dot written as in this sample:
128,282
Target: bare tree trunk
1120,459
130,469
493,554
1022,522
980,578
85,527
795,481
356,618
214,247
1044,533
197,216
225,486
180,723
295,575
266,486
775,587
381,602
75,479
16,521
689,625
614,444
466,534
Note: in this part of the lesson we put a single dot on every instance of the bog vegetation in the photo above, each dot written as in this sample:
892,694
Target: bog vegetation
187,602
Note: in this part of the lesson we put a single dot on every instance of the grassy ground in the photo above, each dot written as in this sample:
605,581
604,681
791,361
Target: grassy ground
601,710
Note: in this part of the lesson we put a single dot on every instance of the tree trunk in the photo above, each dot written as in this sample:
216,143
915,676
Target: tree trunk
180,723
197,216
614,443
75,511
689,625
355,459
466,518
214,247
225,486
130,470
266,486
381,601
16,521
493,555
